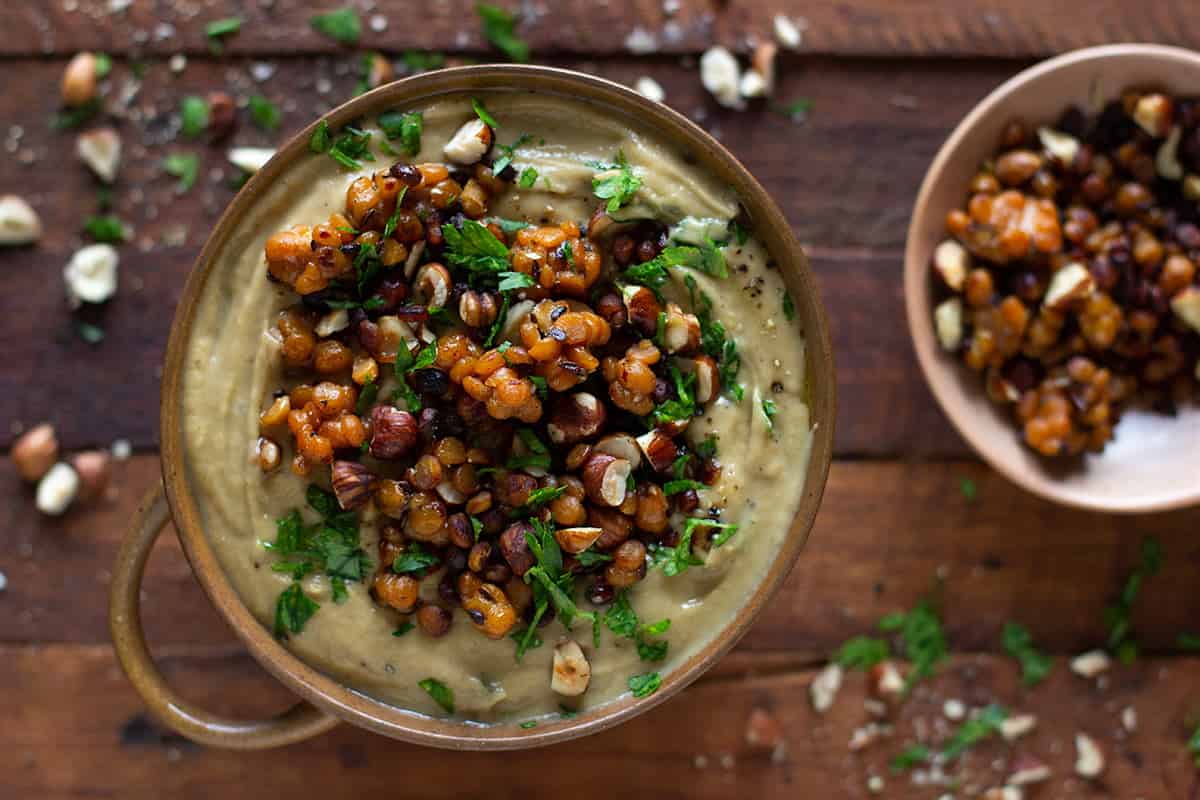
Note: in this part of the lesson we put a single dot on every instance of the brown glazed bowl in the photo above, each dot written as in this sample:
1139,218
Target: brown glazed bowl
1151,463
324,700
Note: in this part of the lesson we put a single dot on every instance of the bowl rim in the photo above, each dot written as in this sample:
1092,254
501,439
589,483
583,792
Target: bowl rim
916,278
328,693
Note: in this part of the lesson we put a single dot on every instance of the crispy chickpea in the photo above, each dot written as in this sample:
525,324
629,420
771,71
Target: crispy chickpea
434,621
331,356
487,606
398,592
426,516
391,497
568,510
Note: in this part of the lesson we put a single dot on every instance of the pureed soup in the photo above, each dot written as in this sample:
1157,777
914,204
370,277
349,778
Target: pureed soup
494,408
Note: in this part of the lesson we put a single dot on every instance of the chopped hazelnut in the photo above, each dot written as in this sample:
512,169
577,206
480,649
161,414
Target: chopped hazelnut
93,468
1015,726
1089,761
19,223
57,489
469,143
1091,664
825,686
35,451
948,322
1027,769
91,274
952,262
571,672
79,80
100,149
605,478
721,76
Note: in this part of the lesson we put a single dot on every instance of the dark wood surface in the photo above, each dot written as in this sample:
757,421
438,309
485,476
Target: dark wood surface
888,79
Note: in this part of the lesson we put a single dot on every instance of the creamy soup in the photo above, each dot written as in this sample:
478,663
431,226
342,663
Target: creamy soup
234,366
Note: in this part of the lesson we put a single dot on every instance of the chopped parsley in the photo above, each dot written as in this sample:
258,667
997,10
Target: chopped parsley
106,228
185,166
862,652
220,28
341,25
681,485
512,281
1194,746
969,489
366,398
590,558
474,248
622,620
92,334
527,638
675,560
1188,642
550,583
529,724
707,448
71,118
715,341
414,559
484,115
498,28
616,183
263,113
405,126
103,65
389,227
741,234
541,496
770,409
910,757
321,138
1117,617
442,694
645,684
421,61
974,731
1018,643
528,178
508,152
292,611
796,109
193,116
789,306
353,144
403,628
922,640
683,405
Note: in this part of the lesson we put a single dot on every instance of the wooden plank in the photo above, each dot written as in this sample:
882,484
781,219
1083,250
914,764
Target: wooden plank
76,728
885,531
1018,28
850,205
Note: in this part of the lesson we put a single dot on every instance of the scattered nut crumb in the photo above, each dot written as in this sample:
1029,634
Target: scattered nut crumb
57,489
885,682
641,41
1017,725
3,581
789,32
1092,663
763,730
1129,719
875,784
721,76
649,88
1003,793
250,159
19,223
1089,762
121,449
954,709
35,452
177,63
1027,769
825,686
100,149
91,274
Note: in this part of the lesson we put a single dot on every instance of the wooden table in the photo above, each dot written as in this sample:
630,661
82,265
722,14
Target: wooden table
887,80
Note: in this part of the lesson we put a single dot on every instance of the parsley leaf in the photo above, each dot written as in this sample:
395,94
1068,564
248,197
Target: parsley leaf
421,61
475,248
350,146
680,486
321,138
645,685
219,28
185,166
405,126
910,757
1189,642
512,281
103,65
532,723
862,652
1118,615
681,407
974,731
541,496
1194,746
71,118
714,341
677,559
528,178
498,28
292,610
922,640
620,618
770,409
508,152
193,116
552,584
1018,643
414,559
969,489
105,228
590,558
403,628
341,25
92,334
616,183
483,114
263,113
442,694
789,306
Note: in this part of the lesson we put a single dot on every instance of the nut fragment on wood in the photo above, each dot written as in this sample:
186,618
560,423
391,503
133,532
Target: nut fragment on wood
94,468
1091,664
824,687
650,89
35,451
100,149
721,76
1017,725
57,489
788,32
1027,769
1089,761
885,682
79,80
571,672
250,159
91,274
19,223
469,143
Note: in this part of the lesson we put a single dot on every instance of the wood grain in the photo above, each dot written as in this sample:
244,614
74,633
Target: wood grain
1017,28
846,177
886,531
77,729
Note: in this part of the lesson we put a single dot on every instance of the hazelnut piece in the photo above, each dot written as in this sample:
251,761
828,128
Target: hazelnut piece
469,143
571,672
620,445
1070,283
948,322
952,262
515,548
101,151
34,453
79,80
352,484
576,540
824,687
575,418
605,479
660,449
393,432
94,468
1089,761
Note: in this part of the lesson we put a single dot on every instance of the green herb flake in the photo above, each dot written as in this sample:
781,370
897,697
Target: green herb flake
321,138
922,640
1193,746
103,65
741,234
350,146
366,398
862,652
193,116
789,306
680,486
910,757
529,724
541,496
92,334
442,694
263,113
293,610
341,25
1018,643
405,126
795,110
474,248
770,409
185,166
414,559
219,28
513,281
1188,642
106,228
422,61
974,731
1118,615
645,684
528,178
508,152
71,118
403,628
499,29
616,183
969,489
483,114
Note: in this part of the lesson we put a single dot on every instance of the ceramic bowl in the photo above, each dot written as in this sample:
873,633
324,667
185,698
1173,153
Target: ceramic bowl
324,700
1151,464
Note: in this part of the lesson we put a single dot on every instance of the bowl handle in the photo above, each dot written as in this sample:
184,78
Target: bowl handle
299,722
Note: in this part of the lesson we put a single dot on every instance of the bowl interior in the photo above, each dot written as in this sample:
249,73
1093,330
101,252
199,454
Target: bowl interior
776,235
1151,463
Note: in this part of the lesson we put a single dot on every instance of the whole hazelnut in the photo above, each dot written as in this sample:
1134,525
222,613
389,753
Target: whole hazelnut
222,115
35,452
79,80
94,468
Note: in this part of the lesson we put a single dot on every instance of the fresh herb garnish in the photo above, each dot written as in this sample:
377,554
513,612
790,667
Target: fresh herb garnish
185,166
71,118
341,25
683,405
508,152
483,114
219,28
529,724
512,281
681,485
922,640
1018,643
741,234
509,226
421,61
974,731
405,126
590,558
707,448
551,585
528,178
715,341
789,306
645,684
292,611
366,398
498,28
677,559
528,638
263,113
796,109
103,65
1193,746
1188,642
616,183
353,144
541,496
1118,615
414,559
193,116
969,490
403,628
862,652
321,138
92,334
475,248
910,757
770,409
442,694
622,620
107,228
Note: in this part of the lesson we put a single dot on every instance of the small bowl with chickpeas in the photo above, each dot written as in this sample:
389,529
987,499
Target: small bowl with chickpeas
1052,278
